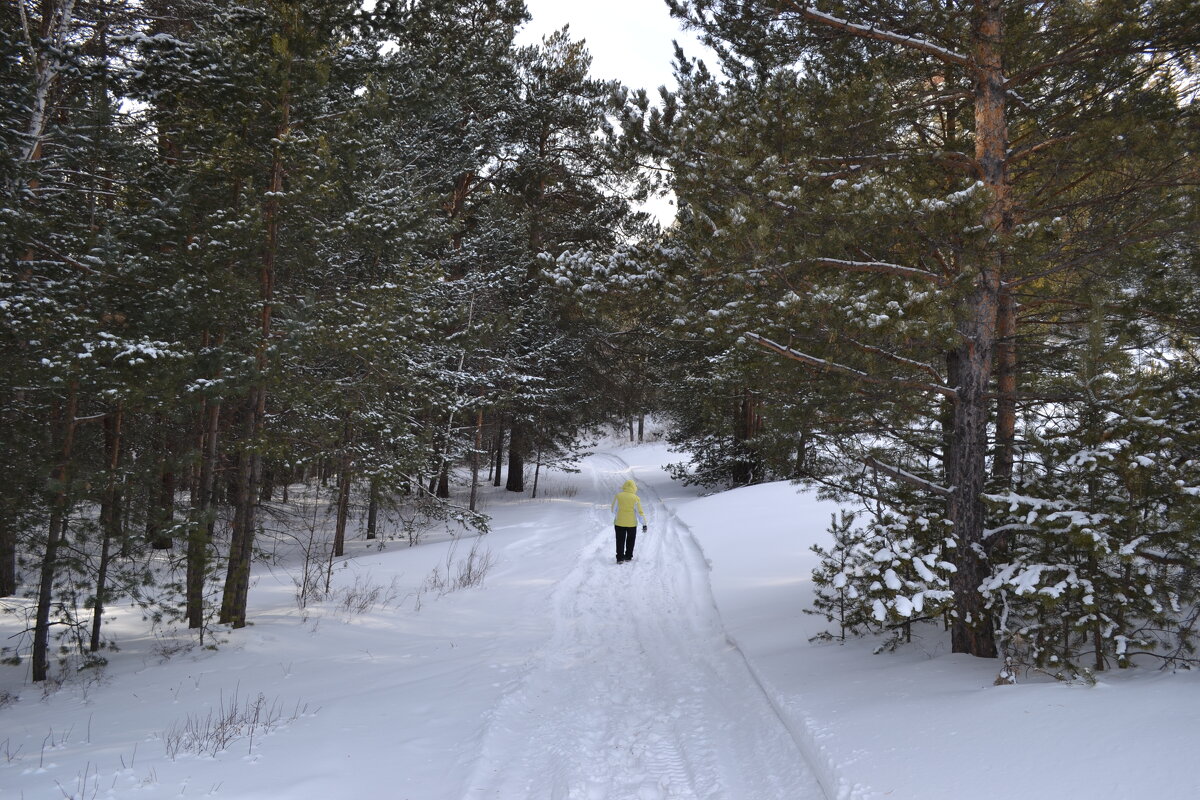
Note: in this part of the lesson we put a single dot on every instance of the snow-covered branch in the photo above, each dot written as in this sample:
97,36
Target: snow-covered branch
881,267
880,34
841,369
906,477
960,161
928,369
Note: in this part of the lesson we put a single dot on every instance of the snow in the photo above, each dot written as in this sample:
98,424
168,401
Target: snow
687,673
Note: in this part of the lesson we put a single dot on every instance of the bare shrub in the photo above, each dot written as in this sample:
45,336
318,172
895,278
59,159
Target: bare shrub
455,574
228,723
365,594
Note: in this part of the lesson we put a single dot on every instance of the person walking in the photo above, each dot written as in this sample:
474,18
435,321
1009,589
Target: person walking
628,507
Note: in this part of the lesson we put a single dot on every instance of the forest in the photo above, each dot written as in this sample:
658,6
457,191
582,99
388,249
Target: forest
937,258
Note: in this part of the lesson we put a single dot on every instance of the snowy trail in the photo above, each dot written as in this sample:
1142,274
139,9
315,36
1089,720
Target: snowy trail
638,693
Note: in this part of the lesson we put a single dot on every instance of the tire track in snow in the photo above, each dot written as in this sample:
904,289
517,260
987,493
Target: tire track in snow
639,692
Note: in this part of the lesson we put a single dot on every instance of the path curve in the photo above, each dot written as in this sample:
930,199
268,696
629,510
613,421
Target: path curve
639,693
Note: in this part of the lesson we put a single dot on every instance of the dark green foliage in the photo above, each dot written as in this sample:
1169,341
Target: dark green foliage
248,243
927,254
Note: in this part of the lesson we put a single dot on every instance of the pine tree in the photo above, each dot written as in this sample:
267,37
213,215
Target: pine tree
892,206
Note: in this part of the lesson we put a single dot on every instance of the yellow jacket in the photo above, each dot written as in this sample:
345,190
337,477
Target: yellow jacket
628,506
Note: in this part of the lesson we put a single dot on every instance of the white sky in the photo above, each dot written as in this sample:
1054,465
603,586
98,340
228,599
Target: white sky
630,40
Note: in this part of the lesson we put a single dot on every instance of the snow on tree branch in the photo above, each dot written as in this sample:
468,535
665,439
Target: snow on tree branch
841,369
906,477
881,267
929,369
882,35
961,161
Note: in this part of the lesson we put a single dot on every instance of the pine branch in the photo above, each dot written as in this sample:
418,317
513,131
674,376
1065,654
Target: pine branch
960,161
879,34
850,372
929,369
907,477
879,267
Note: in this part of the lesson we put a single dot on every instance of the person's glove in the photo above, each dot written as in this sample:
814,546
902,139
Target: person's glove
643,529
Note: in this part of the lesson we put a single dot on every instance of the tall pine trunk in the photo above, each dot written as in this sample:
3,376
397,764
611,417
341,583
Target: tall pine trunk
343,495
241,540
237,584
972,629
475,455
110,518
516,460
200,533
373,510
8,550
58,518
160,513
499,463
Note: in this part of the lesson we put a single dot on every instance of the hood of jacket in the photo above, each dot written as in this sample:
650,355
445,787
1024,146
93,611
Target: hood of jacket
630,487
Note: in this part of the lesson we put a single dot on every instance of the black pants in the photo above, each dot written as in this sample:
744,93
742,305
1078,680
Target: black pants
625,539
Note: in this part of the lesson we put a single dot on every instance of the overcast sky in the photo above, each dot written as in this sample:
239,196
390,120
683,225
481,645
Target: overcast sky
630,40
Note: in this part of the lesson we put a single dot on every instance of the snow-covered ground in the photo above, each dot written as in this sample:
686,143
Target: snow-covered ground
685,674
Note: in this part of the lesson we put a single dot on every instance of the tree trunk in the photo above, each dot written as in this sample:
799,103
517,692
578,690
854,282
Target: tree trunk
499,454
516,461
200,534
443,484
237,584
343,499
971,627
241,540
110,519
58,517
475,454
267,491
8,555
641,428
161,514
1006,386
373,509
972,630
537,469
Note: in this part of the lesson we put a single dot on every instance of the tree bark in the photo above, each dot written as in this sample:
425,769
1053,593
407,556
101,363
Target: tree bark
110,519
343,496
161,513
8,555
537,469
475,454
443,488
373,509
1006,386
58,517
972,629
516,461
499,454
237,584
201,532
241,541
